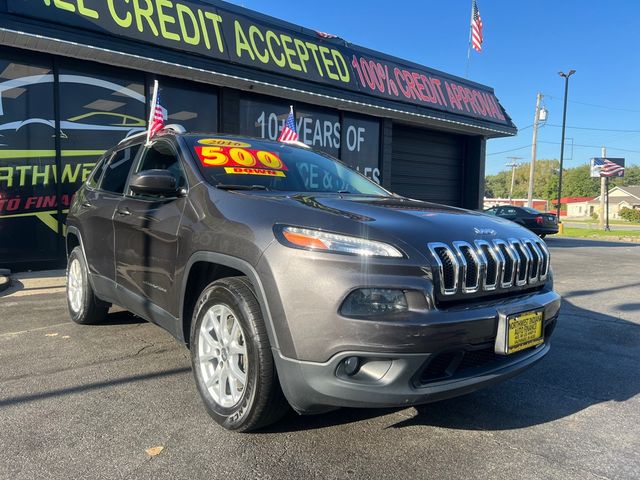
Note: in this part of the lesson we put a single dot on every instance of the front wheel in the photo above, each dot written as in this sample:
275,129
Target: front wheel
231,358
84,307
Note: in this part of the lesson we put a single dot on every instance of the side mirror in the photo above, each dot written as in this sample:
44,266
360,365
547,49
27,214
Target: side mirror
154,182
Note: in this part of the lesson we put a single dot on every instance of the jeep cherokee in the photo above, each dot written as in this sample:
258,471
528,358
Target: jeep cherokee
296,281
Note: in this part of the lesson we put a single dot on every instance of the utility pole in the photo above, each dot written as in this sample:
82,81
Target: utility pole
603,193
513,164
534,144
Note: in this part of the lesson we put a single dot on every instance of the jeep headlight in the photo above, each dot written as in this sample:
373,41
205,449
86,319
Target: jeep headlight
317,240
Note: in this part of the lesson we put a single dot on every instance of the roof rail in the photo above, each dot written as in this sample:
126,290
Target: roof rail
179,129
139,134
176,128
296,143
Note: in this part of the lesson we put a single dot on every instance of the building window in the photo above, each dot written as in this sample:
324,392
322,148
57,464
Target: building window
264,118
361,145
28,202
192,105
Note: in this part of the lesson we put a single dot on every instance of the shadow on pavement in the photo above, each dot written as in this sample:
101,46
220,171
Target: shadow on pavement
593,359
629,307
578,372
18,286
87,387
582,293
559,242
120,317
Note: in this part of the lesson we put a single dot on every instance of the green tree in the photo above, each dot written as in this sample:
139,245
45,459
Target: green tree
576,181
498,185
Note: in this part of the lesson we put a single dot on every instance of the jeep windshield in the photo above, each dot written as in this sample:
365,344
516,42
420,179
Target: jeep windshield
249,164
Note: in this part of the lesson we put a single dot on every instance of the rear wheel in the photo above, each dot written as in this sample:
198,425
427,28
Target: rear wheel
231,358
84,307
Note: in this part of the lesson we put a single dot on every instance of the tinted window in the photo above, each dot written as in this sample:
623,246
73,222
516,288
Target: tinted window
117,171
275,166
96,174
508,212
28,162
162,157
191,105
531,210
99,106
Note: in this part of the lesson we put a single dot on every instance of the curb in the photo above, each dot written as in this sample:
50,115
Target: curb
5,280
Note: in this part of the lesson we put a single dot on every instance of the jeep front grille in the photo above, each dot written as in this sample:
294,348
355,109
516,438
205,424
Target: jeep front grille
489,265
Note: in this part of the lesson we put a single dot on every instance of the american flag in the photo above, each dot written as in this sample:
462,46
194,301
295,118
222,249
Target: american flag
476,28
326,35
157,114
609,168
157,122
289,132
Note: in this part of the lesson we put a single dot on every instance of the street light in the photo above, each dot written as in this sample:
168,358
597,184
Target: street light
564,123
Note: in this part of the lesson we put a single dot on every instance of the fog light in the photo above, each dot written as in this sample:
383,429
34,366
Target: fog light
351,365
374,301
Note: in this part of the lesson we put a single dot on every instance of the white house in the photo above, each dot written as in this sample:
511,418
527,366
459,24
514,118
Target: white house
619,198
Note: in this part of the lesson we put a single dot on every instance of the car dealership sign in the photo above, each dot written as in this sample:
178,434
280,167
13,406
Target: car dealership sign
220,31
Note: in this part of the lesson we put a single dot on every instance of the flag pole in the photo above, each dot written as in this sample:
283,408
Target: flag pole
152,111
469,45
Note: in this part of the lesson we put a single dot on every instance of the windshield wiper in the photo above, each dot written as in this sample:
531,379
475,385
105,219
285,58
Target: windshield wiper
227,186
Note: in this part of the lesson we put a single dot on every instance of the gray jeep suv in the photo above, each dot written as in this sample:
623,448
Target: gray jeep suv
296,281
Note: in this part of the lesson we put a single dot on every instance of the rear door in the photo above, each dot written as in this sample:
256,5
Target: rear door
97,206
146,240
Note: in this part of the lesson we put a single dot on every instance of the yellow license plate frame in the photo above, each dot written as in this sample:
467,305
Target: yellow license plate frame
524,330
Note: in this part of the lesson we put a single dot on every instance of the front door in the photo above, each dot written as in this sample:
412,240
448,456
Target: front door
96,209
146,241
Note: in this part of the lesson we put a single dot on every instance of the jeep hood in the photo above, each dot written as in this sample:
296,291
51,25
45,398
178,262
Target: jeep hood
411,221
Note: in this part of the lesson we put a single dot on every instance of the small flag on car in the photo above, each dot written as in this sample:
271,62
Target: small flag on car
157,114
289,132
476,28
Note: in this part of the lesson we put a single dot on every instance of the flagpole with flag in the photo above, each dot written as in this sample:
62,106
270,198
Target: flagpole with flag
289,132
469,46
476,36
154,124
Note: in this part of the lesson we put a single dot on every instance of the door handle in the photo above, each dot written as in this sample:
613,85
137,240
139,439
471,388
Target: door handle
123,211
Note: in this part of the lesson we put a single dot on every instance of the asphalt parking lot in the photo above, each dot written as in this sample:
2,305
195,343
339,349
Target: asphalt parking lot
86,402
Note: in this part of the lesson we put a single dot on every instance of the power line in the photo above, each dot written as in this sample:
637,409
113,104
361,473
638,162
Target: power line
558,143
507,151
606,107
596,129
595,146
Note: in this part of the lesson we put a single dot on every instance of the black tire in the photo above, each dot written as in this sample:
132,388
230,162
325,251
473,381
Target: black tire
542,235
261,401
88,308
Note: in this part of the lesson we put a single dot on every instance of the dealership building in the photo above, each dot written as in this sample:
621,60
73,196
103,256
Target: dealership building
75,78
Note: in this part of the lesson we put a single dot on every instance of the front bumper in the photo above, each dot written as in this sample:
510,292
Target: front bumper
449,367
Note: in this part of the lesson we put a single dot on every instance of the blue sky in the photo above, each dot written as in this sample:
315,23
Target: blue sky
526,44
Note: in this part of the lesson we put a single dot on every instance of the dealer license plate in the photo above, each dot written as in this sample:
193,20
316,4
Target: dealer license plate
524,330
